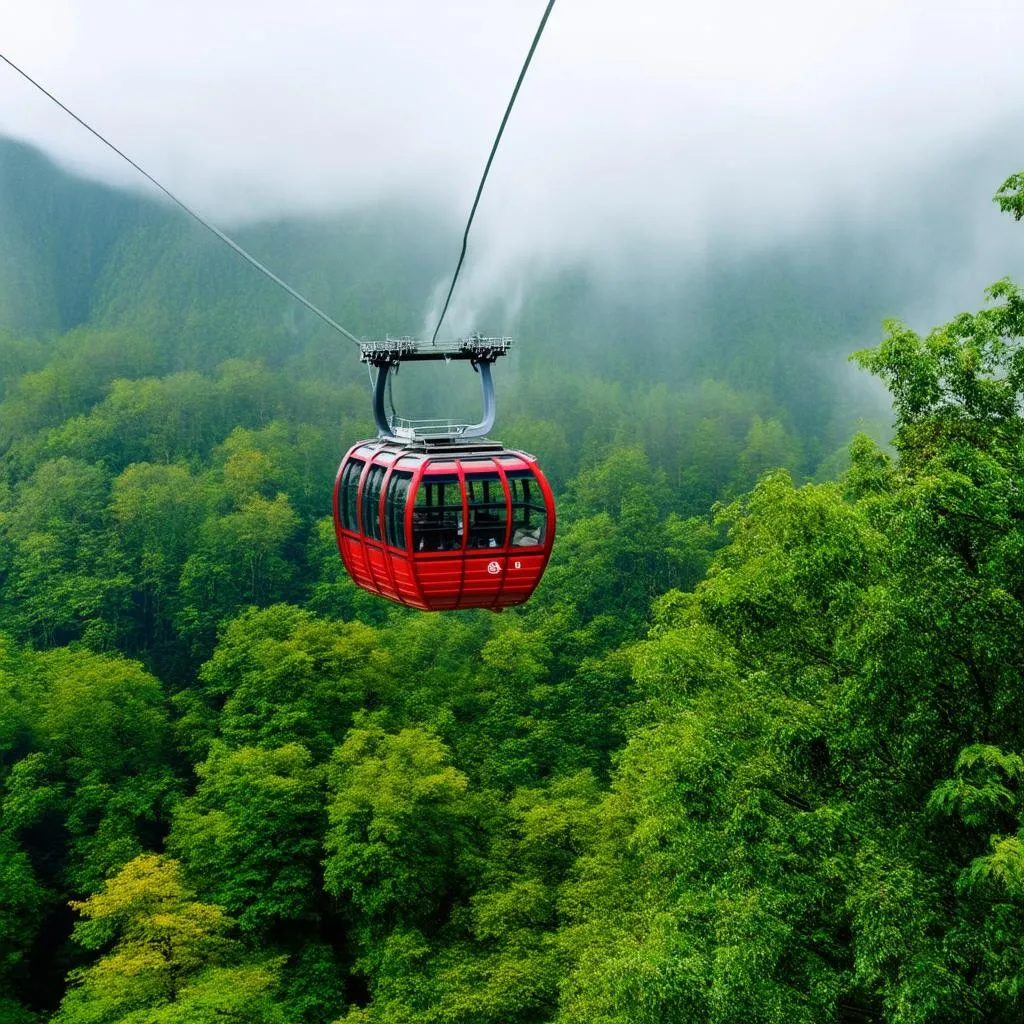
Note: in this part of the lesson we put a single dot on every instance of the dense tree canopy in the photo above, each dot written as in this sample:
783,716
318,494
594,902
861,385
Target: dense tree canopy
753,753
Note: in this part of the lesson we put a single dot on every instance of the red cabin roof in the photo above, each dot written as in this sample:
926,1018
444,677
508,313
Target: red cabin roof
443,526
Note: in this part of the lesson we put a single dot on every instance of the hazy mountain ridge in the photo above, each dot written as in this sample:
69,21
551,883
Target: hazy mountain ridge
781,317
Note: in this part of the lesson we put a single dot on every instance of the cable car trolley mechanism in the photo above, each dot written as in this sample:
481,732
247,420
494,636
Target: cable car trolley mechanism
431,513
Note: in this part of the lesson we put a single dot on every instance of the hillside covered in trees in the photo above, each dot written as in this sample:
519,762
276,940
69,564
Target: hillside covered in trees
754,752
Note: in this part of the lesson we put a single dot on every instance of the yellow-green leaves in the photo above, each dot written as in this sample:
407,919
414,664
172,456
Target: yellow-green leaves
172,957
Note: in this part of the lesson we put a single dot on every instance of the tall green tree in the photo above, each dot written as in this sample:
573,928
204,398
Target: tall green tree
398,832
281,676
252,835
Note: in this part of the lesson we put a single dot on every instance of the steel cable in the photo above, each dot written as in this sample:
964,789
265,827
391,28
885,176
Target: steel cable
490,160
195,216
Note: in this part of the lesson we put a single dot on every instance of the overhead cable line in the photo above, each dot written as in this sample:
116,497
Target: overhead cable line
195,216
490,160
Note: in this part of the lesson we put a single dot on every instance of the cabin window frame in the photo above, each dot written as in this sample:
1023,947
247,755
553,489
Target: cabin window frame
348,494
487,508
372,489
437,522
394,511
522,501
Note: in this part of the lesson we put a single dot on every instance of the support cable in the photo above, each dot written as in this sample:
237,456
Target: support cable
490,160
195,216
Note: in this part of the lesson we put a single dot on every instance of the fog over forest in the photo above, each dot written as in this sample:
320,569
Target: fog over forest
789,310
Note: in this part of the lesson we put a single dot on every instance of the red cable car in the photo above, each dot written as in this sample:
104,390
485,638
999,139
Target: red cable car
434,516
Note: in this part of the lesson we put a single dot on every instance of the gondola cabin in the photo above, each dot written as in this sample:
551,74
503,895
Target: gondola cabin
431,513
443,526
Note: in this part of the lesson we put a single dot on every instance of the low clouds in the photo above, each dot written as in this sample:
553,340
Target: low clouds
652,121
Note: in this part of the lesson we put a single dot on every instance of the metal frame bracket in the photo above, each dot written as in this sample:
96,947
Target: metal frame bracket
388,355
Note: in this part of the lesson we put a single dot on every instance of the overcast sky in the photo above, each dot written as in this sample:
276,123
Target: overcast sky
640,119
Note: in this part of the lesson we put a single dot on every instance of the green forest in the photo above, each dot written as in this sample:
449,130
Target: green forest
753,752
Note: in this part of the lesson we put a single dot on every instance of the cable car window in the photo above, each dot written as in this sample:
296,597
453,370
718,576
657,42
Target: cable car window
347,493
487,511
529,514
371,502
437,514
394,509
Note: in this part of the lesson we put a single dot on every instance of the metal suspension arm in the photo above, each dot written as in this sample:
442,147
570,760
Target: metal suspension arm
387,356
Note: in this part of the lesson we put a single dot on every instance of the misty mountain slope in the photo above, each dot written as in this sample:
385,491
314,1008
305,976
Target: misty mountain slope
778,316
57,233
171,278
75,252
28,298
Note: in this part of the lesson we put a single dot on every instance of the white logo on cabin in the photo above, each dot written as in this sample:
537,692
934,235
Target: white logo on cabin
494,568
